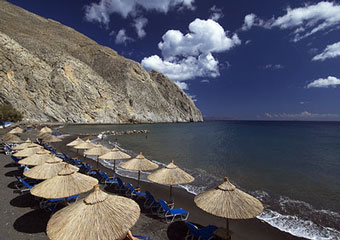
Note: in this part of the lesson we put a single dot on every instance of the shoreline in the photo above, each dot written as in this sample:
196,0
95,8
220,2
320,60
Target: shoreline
243,229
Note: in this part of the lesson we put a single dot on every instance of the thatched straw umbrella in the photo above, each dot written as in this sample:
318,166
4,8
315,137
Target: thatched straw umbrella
75,142
50,139
98,216
97,150
27,152
228,202
11,138
36,159
139,163
115,154
47,170
85,145
68,182
25,145
171,175
45,130
16,130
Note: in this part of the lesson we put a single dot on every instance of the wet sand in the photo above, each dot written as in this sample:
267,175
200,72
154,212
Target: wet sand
22,218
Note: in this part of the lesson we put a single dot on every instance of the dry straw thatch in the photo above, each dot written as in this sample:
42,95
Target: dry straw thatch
36,159
27,152
50,139
85,145
48,169
67,183
16,130
45,130
43,134
139,163
25,145
98,216
229,202
115,154
11,138
97,150
171,175
75,142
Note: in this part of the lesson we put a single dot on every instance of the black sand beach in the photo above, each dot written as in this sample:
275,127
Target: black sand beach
22,219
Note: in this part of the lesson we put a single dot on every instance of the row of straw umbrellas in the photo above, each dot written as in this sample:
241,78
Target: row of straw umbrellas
225,201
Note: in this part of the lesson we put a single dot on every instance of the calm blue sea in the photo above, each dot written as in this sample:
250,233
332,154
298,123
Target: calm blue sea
292,167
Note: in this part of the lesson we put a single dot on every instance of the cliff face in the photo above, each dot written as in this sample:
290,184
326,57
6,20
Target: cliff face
51,72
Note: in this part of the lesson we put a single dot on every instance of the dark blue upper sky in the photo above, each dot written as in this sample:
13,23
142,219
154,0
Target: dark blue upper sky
282,61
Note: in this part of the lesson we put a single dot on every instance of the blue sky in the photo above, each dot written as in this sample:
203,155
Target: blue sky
245,59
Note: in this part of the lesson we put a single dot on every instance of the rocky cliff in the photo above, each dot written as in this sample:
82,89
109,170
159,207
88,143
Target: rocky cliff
51,72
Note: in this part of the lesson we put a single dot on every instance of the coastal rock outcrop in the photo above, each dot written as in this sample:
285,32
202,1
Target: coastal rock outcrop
51,72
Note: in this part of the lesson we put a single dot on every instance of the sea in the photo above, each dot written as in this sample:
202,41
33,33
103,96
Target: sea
292,167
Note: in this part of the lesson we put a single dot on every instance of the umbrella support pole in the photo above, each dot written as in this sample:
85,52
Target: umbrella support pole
227,227
138,179
97,161
171,198
114,167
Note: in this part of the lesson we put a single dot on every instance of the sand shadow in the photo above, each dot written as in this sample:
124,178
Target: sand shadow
32,222
24,201
14,173
9,165
177,230
12,185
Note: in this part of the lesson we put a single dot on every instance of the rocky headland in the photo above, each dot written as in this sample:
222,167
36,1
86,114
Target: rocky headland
52,73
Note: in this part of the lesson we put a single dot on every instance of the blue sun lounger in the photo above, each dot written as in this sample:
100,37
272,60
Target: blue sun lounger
132,192
204,233
168,213
151,203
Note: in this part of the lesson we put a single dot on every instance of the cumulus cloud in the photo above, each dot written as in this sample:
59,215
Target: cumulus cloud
189,56
303,21
331,51
139,24
182,85
273,66
302,116
122,38
205,81
100,12
324,82
216,13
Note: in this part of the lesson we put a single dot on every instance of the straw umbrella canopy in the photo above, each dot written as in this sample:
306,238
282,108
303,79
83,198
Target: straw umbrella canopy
16,130
46,130
75,142
85,145
99,216
171,175
43,134
97,150
36,159
228,202
115,154
11,138
68,182
48,169
50,139
139,163
27,152
26,144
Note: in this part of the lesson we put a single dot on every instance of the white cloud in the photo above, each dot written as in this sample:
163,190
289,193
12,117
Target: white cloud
331,51
216,13
182,85
121,37
139,24
205,81
273,66
189,56
304,21
302,116
100,12
324,82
